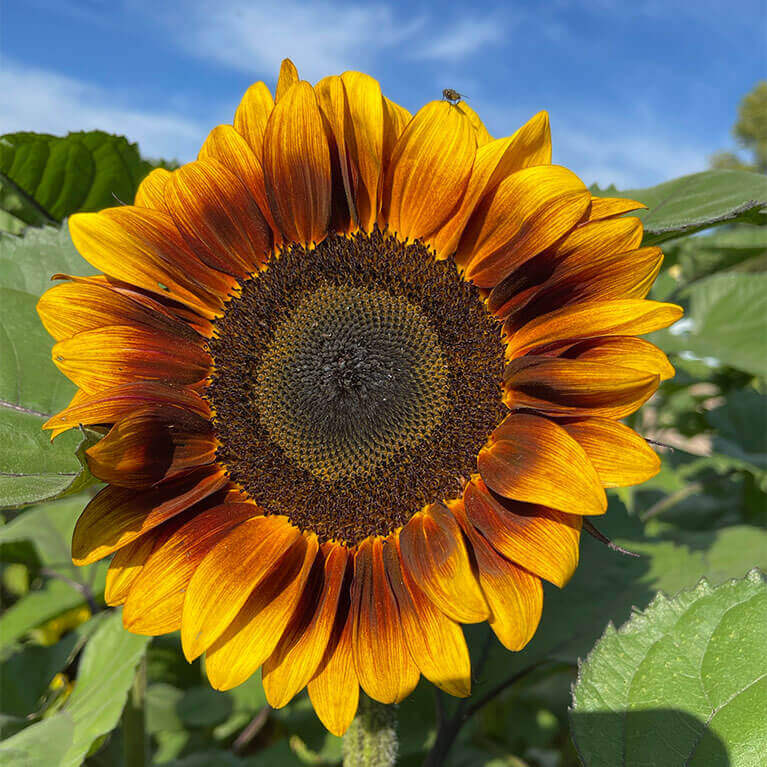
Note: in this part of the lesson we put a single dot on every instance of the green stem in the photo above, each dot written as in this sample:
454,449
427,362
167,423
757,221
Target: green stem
371,740
134,720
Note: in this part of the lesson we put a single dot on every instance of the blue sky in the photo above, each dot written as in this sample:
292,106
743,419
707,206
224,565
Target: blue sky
638,92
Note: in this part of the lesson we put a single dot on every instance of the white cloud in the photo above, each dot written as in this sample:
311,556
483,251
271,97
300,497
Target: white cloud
461,38
46,102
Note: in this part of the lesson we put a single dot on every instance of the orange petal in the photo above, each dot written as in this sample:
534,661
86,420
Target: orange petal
142,247
227,576
366,108
297,169
227,147
625,351
73,307
56,429
125,567
254,633
624,317
532,459
495,160
562,387
218,217
117,515
301,649
395,119
156,599
541,540
150,445
288,76
110,405
607,207
515,596
430,168
435,642
252,115
435,557
150,192
335,691
119,354
384,666
620,456
527,212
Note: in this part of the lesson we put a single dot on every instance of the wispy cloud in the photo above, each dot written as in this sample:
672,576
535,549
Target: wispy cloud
43,101
461,38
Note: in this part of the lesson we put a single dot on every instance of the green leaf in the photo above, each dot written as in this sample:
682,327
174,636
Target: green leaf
39,745
741,428
726,321
695,670
45,178
104,677
203,707
32,469
702,200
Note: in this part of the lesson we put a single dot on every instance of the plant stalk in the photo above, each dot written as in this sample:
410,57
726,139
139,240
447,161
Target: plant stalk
134,720
371,740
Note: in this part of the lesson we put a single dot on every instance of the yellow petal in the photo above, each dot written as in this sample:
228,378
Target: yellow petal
483,135
227,576
527,212
607,207
530,145
297,169
150,192
430,168
624,351
252,115
620,456
288,76
532,459
125,567
620,317
435,557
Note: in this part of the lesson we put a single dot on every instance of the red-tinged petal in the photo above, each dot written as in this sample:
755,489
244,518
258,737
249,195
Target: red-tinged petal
254,633
494,161
435,642
567,387
227,147
288,76
227,576
527,212
539,539
620,456
366,109
623,317
117,515
335,690
143,247
625,351
110,405
607,207
515,596
384,666
587,243
434,555
125,567
120,354
150,445
430,168
150,192
156,599
218,217
532,459
301,649
73,307
252,115
297,167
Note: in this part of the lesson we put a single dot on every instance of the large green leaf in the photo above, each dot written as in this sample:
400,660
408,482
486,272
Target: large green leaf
45,178
741,428
691,203
33,469
726,321
39,745
682,684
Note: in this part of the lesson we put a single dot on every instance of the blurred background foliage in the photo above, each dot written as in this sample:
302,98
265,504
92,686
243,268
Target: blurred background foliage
73,683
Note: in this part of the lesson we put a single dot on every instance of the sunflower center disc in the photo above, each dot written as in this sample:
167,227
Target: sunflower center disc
354,383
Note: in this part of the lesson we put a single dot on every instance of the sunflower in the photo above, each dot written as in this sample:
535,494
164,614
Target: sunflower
359,375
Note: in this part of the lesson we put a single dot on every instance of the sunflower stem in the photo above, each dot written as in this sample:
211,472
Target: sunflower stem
134,720
371,740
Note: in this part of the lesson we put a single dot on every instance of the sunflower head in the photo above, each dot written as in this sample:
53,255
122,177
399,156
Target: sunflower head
360,375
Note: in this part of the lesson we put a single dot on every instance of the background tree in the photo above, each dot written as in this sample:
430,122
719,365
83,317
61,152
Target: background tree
750,131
